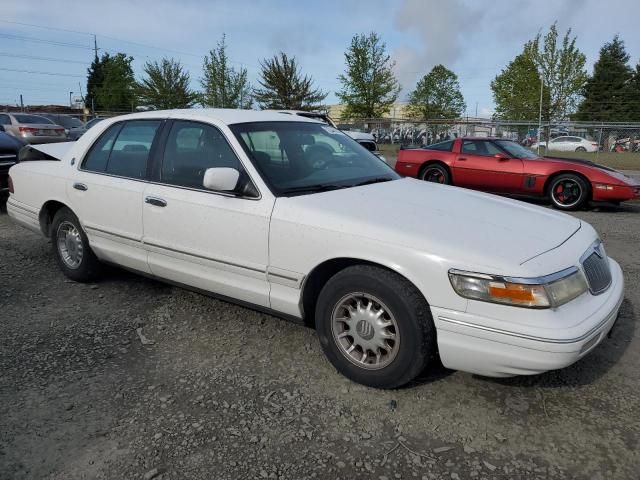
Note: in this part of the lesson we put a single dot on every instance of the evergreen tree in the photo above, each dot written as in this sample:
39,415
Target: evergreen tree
166,85
117,91
436,96
605,93
284,86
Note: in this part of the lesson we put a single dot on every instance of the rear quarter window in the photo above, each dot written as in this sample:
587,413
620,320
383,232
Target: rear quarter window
442,146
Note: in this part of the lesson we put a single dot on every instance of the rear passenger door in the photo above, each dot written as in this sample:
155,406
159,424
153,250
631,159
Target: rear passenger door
106,191
215,241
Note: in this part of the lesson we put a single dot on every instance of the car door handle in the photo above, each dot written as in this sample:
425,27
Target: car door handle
462,159
158,202
80,186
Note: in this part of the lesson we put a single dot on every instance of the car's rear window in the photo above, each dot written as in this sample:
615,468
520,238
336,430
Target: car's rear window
444,146
22,118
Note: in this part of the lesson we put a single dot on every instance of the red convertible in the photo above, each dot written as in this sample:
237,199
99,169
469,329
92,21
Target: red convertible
502,166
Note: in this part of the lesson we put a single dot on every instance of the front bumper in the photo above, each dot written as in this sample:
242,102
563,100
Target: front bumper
467,343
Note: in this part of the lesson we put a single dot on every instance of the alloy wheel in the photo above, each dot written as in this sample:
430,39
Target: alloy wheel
566,192
365,331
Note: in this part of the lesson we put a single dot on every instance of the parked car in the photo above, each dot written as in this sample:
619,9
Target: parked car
9,148
567,144
32,128
93,122
391,271
367,140
505,167
73,127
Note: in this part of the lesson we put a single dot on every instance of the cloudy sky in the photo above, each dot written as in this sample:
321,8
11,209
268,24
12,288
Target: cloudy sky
474,38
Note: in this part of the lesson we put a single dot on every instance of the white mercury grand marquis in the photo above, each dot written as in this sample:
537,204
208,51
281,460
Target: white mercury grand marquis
291,216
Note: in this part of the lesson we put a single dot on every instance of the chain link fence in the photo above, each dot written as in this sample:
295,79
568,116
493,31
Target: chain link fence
592,140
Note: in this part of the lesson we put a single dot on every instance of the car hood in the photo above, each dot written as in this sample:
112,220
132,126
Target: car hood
464,228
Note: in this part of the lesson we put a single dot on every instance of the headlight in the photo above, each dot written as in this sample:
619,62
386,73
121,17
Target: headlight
543,292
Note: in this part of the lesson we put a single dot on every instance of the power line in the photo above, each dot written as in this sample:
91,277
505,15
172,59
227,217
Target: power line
49,59
42,73
45,41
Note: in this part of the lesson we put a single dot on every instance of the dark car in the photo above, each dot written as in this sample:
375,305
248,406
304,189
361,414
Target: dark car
73,128
9,148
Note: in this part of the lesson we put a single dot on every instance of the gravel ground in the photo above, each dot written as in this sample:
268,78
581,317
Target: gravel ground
223,392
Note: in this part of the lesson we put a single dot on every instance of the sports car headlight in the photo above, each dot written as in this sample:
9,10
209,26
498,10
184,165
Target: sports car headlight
543,292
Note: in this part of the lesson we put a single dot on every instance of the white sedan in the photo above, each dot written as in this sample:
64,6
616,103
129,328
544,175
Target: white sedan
252,207
568,144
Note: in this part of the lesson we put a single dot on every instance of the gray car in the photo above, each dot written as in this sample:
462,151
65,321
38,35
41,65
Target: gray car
32,128
73,128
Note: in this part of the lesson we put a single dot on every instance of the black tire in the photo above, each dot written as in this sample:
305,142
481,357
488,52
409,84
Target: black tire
581,149
88,264
435,173
413,325
568,191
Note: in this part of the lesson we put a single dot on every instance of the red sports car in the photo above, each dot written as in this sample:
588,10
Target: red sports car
505,167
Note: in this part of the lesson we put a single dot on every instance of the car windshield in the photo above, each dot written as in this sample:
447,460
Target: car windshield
20,118
515,150
298,158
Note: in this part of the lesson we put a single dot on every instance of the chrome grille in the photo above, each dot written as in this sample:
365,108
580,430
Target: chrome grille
596,269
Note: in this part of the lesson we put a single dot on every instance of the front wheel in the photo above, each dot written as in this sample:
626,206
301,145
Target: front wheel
71,247
569,192
375,327
436,173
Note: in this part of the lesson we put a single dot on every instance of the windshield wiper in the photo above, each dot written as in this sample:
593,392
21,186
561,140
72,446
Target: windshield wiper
373,180
320,187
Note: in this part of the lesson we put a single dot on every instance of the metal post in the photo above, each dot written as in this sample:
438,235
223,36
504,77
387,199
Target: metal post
70,102
21,104
540,114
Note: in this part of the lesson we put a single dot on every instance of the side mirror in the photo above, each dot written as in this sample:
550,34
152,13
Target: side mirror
501,157
221,179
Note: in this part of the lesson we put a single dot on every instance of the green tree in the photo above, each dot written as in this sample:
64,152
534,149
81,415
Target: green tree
95,79
606,91
224,87
437,96
516,90
633,96
284,86
562,66
369,87
166,85
117,91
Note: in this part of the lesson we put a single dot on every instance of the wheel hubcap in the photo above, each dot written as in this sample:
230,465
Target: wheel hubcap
365,331
567,193
70,244
433,175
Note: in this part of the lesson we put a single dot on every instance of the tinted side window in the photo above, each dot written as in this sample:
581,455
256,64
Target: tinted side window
96,159
191,148
5,120
130,151
479,147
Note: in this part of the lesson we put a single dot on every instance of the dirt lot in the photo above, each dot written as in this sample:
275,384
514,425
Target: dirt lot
227,393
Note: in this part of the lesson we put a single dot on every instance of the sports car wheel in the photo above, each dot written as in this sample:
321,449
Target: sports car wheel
375,327
436,173
581,149
568,192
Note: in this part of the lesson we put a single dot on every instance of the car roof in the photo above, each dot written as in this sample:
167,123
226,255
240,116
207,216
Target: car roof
488,139
225,115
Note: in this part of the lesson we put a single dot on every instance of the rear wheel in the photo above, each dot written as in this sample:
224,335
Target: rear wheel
375,327
569,192
71,247
581,149
436,173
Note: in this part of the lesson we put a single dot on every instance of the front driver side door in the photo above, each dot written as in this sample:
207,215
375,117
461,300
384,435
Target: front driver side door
478,167
214,241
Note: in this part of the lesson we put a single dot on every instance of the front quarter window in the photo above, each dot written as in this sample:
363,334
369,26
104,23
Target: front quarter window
305,157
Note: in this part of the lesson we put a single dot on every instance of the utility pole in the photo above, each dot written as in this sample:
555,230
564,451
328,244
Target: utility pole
95,46
70,102
21,104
